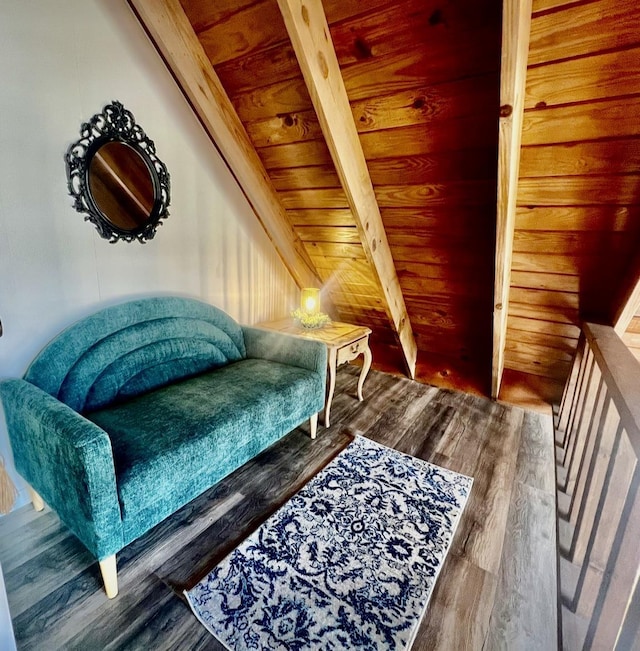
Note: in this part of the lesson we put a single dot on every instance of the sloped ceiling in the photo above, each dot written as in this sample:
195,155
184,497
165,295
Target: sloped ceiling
578,214
422,79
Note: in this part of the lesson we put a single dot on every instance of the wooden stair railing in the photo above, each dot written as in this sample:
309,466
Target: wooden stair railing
598,441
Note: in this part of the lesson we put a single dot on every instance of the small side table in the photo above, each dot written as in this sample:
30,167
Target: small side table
344,343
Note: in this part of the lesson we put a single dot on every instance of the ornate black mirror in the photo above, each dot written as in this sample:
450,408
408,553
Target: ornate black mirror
115,177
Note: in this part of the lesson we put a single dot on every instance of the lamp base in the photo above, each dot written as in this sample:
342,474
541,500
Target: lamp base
311,321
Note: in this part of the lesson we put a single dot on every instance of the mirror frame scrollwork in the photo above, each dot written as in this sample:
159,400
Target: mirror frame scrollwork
115,124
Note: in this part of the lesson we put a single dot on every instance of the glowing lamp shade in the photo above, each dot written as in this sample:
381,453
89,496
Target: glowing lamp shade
310,300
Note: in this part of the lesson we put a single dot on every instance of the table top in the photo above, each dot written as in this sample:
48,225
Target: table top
334,334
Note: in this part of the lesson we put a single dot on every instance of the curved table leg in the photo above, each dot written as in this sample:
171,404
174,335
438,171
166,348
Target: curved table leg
332,385
365,369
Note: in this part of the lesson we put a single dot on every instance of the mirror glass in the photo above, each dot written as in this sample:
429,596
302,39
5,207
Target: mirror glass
121,185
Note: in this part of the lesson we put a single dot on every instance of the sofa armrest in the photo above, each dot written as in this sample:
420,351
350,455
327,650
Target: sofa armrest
287,349
68,460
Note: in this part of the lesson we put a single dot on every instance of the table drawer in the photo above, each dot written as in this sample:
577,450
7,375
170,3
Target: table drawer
352,350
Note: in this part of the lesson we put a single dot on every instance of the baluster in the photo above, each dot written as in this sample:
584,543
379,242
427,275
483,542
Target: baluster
569,393
584,428
621,575
608,510
577,407
584,516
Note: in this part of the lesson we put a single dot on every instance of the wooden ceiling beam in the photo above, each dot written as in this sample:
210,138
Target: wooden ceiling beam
308,30
516,24
170,30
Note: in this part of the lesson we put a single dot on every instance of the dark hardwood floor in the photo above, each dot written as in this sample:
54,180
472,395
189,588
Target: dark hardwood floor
497,590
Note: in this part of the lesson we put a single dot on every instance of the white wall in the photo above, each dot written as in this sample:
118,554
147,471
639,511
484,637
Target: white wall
61,61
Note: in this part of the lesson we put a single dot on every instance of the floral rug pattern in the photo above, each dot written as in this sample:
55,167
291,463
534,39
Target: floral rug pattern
349,562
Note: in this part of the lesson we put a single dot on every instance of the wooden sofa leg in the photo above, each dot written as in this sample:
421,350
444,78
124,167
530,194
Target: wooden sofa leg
36,500
109,571
313,425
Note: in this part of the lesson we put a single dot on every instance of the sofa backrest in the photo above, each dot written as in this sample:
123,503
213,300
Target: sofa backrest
129,349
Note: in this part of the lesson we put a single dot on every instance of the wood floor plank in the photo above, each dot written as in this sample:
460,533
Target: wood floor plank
23,517
56,595
173,627
37,535
51,617
436,432
398,412
528,567
487,452
460,609
119,619
41,574
376,397
536,463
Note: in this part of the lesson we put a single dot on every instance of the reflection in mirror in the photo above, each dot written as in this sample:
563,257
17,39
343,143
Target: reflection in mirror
121,185
115,177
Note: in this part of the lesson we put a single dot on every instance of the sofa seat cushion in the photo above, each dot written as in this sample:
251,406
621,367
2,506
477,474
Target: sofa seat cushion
171,444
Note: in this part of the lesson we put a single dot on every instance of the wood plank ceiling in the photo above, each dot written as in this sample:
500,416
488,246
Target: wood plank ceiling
578,214
422,79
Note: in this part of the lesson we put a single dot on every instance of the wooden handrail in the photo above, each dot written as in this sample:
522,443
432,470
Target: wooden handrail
621,373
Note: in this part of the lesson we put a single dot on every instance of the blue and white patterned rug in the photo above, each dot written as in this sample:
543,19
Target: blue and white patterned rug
348,563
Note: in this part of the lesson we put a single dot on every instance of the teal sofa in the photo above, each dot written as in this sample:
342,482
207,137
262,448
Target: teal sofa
136,410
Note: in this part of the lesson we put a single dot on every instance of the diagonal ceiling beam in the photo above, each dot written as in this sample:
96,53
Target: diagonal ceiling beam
172,33
308,30
516,25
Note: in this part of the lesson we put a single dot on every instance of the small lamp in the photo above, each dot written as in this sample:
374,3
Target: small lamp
310,300
308,315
